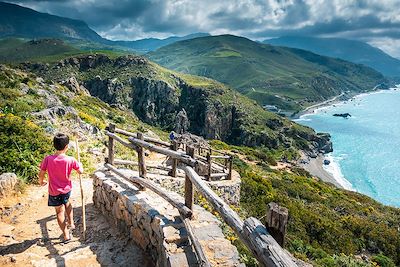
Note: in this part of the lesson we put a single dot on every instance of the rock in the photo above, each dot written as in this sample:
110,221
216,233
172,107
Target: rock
182,122
73,85
110,91
51,114
50,99
8,182
343,115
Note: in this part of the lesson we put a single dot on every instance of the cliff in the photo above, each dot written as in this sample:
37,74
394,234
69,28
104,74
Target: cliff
156,95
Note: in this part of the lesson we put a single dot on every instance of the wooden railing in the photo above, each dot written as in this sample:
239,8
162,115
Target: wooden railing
250,231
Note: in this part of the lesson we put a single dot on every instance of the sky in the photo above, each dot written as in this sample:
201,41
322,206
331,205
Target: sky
374,21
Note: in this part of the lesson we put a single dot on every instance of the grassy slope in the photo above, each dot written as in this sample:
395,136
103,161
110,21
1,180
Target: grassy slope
17,50
263,71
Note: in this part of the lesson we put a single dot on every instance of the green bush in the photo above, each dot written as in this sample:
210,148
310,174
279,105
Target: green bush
23,145
383,261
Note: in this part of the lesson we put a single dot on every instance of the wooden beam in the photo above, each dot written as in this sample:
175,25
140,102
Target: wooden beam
209,169
218,175
145,138
174,147
219,157
201,256
254,235
229,216
230,162
135,163
181,156
263,245
141,159
111,146
189,194
120,140
276,222
145,183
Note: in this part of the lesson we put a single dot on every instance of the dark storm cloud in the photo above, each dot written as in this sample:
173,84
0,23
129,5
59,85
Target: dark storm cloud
375,21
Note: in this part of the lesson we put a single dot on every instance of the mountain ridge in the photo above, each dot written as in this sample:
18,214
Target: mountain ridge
289,78
351,50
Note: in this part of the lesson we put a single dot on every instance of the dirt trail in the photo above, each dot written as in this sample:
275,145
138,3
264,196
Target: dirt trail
30,235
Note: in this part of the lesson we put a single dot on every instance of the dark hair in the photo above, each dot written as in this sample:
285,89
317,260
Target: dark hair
60,141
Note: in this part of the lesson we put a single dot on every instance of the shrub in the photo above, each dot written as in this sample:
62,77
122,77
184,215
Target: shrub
383,261
23,145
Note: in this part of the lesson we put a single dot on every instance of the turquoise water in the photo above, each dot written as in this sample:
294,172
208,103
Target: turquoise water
366,147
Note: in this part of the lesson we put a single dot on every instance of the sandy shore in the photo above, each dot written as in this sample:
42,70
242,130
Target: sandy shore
315,167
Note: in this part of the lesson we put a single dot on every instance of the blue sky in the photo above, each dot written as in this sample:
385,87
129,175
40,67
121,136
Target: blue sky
374,21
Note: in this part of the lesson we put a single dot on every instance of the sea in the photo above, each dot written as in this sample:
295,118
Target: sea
366,146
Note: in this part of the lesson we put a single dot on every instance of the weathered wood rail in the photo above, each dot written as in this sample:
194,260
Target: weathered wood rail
250,231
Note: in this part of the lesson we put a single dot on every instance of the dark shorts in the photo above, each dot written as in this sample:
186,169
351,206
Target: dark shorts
59,200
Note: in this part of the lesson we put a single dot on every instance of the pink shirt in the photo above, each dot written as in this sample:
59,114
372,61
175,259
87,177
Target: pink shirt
59,169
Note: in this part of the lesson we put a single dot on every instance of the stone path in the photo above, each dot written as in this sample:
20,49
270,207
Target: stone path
30,236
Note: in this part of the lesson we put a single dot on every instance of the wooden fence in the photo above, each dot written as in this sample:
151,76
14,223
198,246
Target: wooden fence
250,231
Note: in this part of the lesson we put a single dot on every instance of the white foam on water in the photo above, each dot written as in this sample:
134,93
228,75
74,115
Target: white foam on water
334,169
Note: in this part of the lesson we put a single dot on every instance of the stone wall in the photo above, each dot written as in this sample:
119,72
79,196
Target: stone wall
157,227
8,183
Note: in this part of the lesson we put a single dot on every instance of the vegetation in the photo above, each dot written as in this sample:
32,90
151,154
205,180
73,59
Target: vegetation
23,146
326,225
288,78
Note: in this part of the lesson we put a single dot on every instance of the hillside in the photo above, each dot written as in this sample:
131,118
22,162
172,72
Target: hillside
327,226
157,95
289,78
351,50
17,21
13,50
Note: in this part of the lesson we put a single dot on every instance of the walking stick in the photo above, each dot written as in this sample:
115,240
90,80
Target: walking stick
82,197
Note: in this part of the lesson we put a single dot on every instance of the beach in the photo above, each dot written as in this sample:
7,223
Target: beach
315,167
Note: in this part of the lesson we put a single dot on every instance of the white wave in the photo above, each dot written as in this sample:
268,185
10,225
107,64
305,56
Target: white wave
334,169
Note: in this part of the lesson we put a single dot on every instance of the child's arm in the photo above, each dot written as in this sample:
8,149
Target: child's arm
41,178
80,170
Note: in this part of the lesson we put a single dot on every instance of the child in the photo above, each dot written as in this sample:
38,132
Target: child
59,167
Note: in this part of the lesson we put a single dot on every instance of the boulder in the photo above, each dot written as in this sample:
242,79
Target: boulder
8,183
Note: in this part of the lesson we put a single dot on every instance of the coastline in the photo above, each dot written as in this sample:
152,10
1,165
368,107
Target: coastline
315,166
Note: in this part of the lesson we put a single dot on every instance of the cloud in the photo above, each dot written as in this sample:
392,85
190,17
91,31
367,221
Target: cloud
375,21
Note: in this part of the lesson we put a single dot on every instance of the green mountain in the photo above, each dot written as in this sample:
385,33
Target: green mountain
17,21
351,50
289,78
13,50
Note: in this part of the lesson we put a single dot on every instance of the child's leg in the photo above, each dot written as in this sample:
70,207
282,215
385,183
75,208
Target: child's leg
70,214
60,211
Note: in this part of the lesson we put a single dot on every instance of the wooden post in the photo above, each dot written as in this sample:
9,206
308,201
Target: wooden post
174,161
189,194
142,164
230,162
209,161
111,148
276,222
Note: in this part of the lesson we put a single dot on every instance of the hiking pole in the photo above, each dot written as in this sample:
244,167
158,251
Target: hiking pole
82,197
